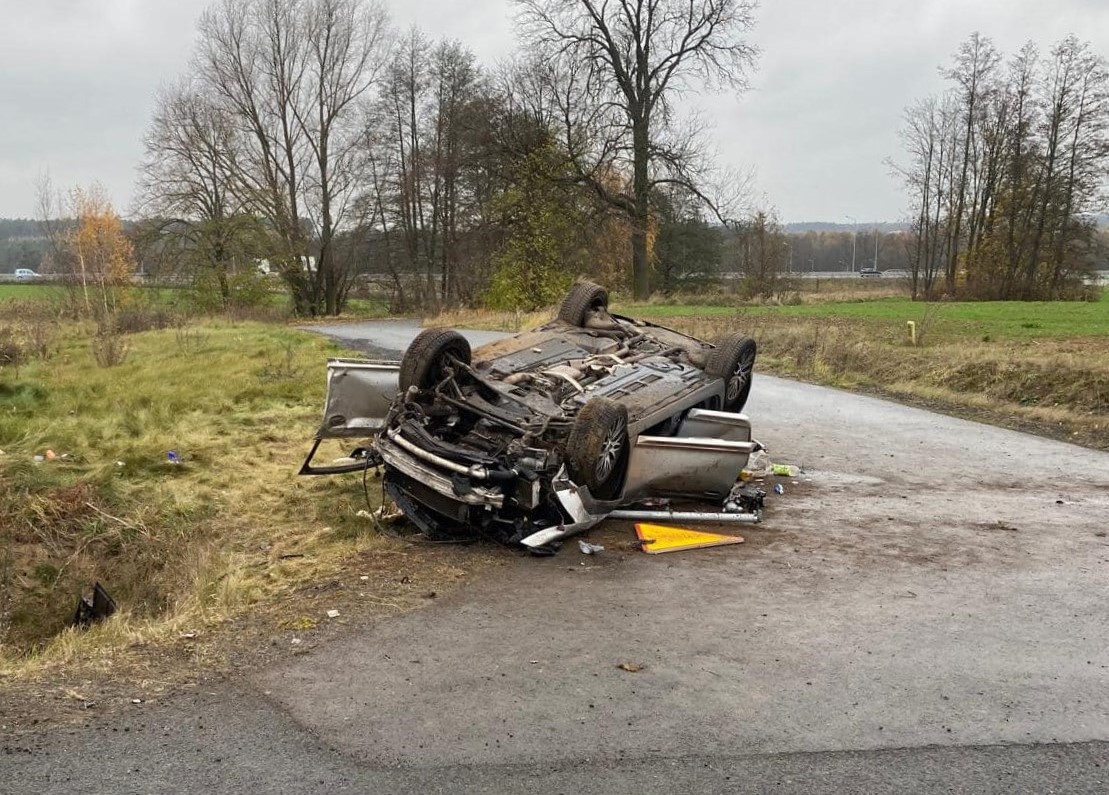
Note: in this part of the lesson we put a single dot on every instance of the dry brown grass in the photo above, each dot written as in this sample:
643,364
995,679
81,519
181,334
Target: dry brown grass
229,531
491,320
1060,387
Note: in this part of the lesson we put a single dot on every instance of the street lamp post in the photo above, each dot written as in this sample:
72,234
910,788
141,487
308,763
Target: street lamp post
854,240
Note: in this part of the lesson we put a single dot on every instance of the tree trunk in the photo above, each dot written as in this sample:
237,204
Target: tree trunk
641,272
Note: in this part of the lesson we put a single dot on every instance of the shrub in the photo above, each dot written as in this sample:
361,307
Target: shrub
136,319
11,352
108,346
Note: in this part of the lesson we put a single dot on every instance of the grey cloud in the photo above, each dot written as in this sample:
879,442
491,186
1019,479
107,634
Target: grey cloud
77,81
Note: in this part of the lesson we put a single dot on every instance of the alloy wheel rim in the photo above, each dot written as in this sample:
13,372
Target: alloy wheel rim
739,379
610,452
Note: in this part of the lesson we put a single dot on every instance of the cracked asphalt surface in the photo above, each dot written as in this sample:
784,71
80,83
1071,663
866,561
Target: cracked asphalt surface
922,611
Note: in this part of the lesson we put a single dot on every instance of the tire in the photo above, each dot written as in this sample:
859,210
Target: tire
422,364
597,449
580,301
733,359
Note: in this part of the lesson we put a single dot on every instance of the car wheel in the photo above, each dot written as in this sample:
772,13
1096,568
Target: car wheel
582,299
423,364
597,450
733,359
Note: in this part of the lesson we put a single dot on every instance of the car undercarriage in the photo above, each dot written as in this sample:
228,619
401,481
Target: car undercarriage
543,433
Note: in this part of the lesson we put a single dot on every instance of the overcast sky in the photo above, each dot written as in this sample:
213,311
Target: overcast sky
77,79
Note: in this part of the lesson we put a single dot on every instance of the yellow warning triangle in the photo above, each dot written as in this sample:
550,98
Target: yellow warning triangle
657,538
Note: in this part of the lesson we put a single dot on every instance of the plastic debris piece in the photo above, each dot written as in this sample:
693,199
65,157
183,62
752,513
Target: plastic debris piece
589,549
332,613
51,455
171,457
655,539
759,464
785,470
779,488
39,459
99,607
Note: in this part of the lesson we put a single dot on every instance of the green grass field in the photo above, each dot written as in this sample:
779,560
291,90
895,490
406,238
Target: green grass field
28,292
978,319
177,298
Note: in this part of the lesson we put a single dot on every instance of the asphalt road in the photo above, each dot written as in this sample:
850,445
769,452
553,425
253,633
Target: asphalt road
923,611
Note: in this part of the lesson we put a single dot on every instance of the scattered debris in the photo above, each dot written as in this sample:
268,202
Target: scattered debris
630,667
758,464
332,613
745,498
99,607
589,549
655,539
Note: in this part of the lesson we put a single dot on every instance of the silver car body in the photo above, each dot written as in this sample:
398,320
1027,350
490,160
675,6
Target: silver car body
680,443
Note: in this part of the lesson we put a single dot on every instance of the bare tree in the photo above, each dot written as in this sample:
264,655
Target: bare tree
973,70
290,73
187,189
620,64
344,42
1012,165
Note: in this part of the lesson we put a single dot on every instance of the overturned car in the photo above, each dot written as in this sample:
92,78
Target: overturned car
543,433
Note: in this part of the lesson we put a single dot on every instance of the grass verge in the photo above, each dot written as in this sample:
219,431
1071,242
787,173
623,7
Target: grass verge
229,530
